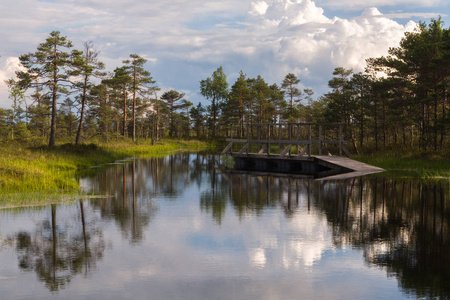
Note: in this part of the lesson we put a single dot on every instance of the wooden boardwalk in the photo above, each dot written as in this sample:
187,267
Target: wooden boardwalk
358,168
281,149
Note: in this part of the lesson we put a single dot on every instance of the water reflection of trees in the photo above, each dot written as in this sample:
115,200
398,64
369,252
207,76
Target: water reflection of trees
253,194
60,248
134,184
400,225
130,205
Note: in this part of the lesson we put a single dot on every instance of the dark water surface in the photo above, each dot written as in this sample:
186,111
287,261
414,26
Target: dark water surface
179,228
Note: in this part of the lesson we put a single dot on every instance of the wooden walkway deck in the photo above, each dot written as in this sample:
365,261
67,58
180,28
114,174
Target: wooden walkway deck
337,167
287,149
358,168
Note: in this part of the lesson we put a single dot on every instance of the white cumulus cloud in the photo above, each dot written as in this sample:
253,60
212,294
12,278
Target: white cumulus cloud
358,4
7,71
187,40
296,36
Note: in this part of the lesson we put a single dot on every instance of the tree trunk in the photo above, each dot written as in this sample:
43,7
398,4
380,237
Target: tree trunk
124,129
52,139
83,107
214,117
134,104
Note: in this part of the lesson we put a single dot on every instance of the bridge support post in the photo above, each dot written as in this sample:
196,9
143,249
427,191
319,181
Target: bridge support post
320,139
259,137
309,139
248,137
279,138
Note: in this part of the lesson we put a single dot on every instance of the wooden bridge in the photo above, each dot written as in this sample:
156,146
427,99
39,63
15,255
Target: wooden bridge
300,149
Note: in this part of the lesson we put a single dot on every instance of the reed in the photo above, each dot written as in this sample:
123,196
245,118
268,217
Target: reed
42,169
422,165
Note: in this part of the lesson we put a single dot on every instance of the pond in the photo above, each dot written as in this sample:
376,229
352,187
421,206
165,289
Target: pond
181,227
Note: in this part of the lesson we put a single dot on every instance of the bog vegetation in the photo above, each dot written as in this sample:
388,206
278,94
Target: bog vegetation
61,95
401,101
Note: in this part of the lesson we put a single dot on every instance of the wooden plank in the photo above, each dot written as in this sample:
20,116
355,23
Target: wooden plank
346,151
309,138
325,149
284,124
305,142
286,150
262,149
350,164
320,139
259,137
279,138
292,138
304,151
227,148
244,148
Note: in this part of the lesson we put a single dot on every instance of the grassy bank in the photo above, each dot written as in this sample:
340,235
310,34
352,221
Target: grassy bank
43,169
422,165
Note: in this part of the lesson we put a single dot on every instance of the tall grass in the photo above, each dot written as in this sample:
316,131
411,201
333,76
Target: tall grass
44,169
423,165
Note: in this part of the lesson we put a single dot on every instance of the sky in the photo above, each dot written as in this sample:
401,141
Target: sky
185,41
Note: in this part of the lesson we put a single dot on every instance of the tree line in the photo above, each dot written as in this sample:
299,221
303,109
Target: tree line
401,100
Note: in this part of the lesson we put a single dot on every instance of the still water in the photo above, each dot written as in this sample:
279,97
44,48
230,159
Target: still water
179,227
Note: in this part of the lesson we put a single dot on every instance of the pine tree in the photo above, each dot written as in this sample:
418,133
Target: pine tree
289,85
141,83
87,65
48,67
215,88
170,98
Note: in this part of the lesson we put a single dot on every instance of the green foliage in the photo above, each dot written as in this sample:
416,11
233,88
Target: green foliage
48,68
293,93
411,101
141,85
215,88
171,98
53,169
400,102
421,165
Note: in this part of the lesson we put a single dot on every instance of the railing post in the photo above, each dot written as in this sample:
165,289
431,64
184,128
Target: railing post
259,137
340,139
310,141
298,133
279,138
247,136
231,137
320,139
289,137
268,139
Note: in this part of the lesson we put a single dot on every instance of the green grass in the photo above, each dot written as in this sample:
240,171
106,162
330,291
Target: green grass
33,174
421,165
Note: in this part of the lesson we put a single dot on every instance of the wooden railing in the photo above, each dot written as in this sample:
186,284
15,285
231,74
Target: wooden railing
305,138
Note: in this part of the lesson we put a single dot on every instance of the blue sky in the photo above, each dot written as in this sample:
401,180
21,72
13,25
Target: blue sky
186,40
